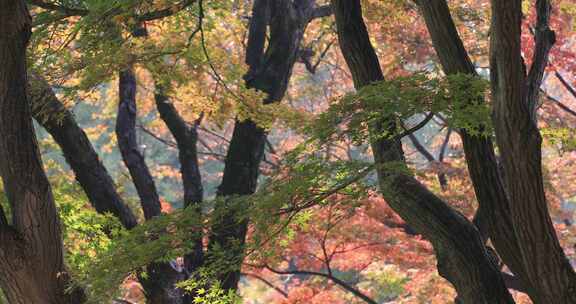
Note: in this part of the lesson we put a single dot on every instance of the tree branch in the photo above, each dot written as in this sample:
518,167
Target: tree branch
324,195
444,145
334,279
67,11
561,105
545,39
566,84
166,142
165,12
257,33
461,258
149,16
306,56
417,127
322,11
429,157
186,139
480,157
268,283
420,148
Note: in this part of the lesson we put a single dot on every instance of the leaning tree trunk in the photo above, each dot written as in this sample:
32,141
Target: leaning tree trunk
515,102
133,159
462,257
186,137
31,251
78,151
493,217
270,71
159,283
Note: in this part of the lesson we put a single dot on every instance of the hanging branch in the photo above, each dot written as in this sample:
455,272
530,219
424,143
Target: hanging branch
566,84
341,283
268,283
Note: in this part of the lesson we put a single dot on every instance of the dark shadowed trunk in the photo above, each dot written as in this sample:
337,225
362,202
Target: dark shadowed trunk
462,257
515,94
31,253
161,277
186,137
78,151
133,159
270,71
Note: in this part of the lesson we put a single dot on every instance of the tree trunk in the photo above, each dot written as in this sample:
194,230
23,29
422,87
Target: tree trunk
31,251
159,283
515,98
462,257
186,137
494,206
133,159
78,151
270,71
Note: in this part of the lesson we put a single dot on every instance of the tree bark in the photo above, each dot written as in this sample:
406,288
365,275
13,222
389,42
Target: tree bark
78,151
186,137
270,69
494,206
31,250
126,134
462,257
159,283
515,98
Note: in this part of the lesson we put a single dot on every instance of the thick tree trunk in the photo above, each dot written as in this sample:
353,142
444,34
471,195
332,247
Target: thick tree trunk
462,257
240,178
31,252
78,151
515,94
270,71
494,210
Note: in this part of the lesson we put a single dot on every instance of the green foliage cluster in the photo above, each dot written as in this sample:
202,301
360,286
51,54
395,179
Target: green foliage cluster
206,290
160,239
460,98
563,138
276,211
87,234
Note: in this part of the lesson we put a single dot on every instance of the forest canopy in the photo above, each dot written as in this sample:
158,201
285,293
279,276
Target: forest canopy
287,151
